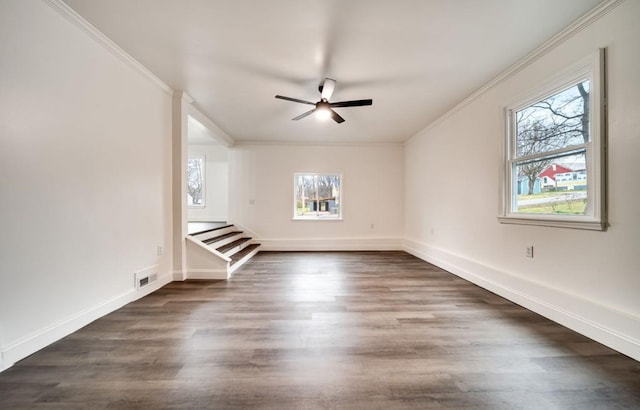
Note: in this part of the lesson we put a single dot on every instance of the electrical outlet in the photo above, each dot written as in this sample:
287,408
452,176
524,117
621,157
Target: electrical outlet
160,250
529,253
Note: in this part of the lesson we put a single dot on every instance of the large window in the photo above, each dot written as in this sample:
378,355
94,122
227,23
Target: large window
317,196
195,182
554,152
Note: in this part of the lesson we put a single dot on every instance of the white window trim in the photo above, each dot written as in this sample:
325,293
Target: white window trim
592,68
203,158
318,218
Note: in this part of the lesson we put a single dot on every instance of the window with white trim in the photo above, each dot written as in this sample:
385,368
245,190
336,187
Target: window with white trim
317,196
554,152
195,182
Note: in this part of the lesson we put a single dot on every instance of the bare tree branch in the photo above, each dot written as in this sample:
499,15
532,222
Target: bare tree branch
553,123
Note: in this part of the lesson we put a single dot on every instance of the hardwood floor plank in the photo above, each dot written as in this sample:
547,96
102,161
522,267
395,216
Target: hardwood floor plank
318,330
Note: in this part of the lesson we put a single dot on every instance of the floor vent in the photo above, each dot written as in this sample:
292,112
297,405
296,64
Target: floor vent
146,277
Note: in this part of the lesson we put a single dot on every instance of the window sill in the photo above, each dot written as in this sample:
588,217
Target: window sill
313,219
555,223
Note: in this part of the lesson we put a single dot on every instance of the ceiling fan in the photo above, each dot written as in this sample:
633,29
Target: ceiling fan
324,108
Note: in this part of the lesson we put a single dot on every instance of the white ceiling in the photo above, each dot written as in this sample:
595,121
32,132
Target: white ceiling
415,58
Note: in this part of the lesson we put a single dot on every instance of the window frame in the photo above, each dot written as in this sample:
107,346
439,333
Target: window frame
203,160
592,68
316,217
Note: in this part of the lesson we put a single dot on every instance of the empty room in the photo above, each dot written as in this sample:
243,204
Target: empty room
319,204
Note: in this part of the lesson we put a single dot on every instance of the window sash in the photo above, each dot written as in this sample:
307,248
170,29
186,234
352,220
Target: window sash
557,154
560,199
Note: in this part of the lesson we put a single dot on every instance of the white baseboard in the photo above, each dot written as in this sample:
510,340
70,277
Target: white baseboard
613,328
207,219
247,231
211,274
178,276
337,244
26,346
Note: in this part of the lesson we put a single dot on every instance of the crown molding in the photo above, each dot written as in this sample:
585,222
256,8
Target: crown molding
574,28
317,143
68,13
218,133
182,95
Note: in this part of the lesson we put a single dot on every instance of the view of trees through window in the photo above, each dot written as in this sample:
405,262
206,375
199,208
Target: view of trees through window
549,163
317,196
195,182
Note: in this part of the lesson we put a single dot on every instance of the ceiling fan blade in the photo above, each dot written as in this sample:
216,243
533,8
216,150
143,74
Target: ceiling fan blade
281,97
353,103
336,117
305,114
328,85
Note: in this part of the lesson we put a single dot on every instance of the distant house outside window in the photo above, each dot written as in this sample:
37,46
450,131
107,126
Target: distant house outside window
317,196
195,182
554,152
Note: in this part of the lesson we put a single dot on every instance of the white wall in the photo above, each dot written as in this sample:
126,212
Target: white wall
587,280
216,190
261,192
85,163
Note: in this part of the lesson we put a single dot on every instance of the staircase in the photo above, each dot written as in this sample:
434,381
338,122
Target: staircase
228,249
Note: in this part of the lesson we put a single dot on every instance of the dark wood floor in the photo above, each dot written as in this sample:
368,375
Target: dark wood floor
193,227
361,330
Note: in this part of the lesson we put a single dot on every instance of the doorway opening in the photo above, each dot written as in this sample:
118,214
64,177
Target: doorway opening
207,170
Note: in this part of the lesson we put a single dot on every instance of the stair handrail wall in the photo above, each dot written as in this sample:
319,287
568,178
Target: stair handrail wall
207,248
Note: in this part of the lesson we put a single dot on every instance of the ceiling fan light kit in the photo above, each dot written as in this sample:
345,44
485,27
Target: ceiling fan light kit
323,108
323,112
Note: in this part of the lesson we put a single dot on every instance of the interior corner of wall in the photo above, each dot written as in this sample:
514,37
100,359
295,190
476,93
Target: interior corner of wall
3,366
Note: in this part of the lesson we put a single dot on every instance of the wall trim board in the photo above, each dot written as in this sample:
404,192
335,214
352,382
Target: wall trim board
218,133
333,244
2,361
211,274
613,328
38,340
178,276
73,17
207,219
275,143
248,231
574,28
